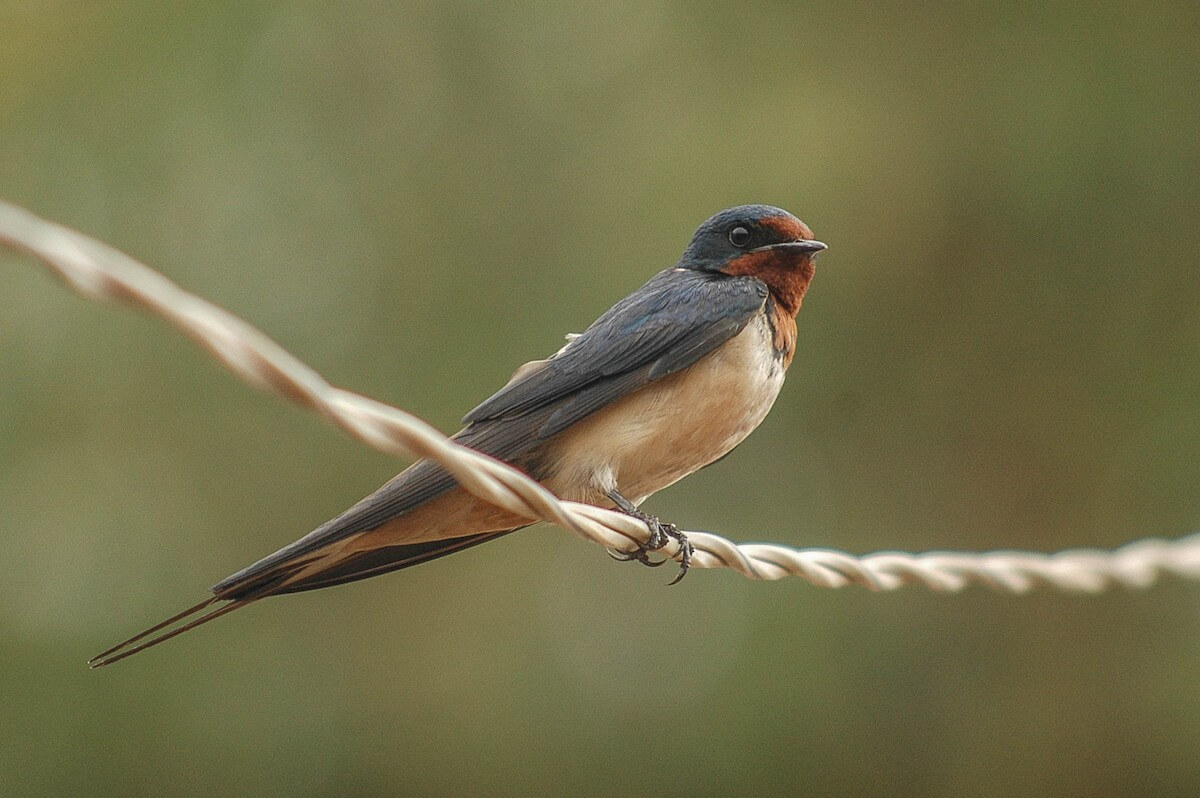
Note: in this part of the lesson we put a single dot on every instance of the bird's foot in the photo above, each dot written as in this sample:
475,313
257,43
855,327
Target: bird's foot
660,535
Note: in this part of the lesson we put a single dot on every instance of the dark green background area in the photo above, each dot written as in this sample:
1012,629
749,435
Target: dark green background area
1001,349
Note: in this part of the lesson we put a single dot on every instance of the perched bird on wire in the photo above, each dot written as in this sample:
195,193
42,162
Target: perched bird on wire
669,380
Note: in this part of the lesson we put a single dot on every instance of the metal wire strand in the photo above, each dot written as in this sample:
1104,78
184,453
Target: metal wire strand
103,273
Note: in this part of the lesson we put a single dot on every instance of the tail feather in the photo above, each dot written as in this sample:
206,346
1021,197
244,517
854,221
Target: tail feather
388,558
279,580
95,661
120,651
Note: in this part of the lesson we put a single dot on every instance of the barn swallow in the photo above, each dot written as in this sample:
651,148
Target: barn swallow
669,380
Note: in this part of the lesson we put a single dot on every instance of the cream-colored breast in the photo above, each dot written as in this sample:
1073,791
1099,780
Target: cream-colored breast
672,427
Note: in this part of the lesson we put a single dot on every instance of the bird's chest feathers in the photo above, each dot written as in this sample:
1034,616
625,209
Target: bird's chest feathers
674,426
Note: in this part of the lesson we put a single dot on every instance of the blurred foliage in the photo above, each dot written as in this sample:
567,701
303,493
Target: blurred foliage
1001,349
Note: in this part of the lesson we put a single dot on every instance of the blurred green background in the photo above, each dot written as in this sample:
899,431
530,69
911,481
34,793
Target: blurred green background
1000,349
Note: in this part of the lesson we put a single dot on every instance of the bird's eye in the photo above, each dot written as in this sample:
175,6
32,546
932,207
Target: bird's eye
739,236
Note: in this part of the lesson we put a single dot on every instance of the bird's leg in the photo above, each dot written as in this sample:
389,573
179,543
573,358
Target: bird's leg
660,533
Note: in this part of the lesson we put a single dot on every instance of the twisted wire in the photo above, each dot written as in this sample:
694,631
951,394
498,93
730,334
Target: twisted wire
101,272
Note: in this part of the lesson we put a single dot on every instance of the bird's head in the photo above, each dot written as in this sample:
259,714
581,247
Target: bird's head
759,241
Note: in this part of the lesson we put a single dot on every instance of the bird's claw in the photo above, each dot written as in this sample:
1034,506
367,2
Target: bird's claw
640,554
660,535
686,549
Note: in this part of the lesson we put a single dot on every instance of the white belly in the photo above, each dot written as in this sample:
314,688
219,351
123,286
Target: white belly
672,427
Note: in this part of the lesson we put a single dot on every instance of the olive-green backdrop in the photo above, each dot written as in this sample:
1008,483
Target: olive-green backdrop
1001,349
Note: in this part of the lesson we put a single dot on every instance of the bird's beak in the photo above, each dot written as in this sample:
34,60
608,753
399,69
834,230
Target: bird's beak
804,245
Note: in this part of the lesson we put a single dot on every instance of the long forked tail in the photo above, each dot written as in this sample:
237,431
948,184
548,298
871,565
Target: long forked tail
126,648
285,578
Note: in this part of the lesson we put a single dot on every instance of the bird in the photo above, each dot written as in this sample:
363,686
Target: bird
667,381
